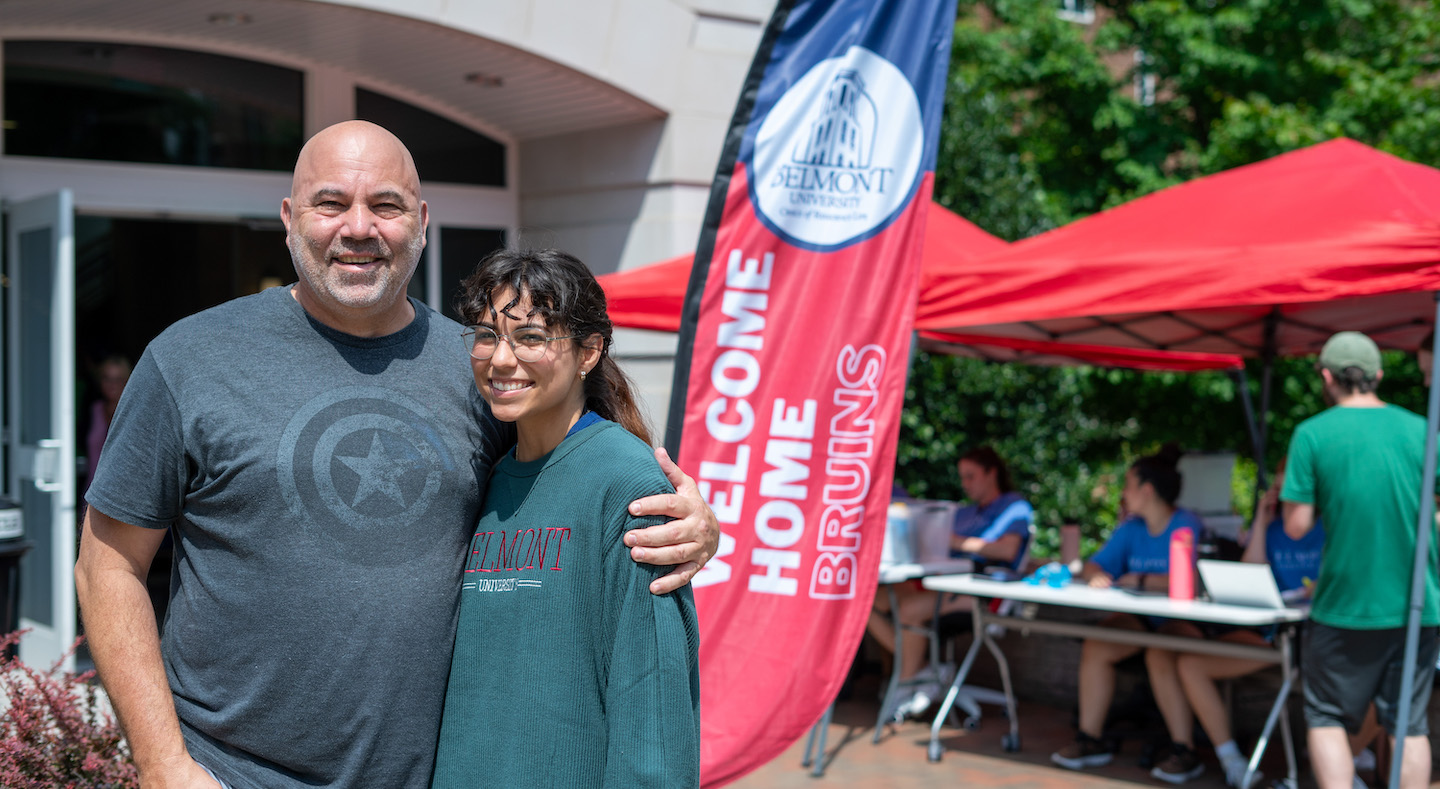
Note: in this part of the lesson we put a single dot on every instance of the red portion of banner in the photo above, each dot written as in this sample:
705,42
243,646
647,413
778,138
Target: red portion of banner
796,386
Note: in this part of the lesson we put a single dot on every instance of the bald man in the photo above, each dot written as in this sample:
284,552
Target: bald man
320,452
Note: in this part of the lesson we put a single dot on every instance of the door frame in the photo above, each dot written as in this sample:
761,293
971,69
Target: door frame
45,644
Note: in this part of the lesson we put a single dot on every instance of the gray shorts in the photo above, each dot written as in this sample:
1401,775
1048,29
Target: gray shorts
1345,670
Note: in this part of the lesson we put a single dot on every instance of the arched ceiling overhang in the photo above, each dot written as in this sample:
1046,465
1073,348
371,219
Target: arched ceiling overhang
507,91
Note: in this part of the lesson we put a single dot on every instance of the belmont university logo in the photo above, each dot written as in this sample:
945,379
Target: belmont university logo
839,153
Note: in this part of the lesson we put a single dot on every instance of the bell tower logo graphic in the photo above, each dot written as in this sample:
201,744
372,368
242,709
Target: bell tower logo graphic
839,154
844,133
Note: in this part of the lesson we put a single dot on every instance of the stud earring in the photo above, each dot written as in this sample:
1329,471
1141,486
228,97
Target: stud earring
582,375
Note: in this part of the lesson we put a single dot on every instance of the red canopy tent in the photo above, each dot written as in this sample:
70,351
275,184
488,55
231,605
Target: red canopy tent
1039,352
650,297
1266,259
1270,258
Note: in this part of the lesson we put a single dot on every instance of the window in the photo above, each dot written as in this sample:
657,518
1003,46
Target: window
460,249
1080,11
444,151
126,103
1144,80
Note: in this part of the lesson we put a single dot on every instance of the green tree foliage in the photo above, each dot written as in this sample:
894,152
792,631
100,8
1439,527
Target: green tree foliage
1062,456
1042,127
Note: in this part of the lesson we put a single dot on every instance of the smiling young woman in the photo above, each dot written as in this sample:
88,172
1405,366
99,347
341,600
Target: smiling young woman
567,671
528,376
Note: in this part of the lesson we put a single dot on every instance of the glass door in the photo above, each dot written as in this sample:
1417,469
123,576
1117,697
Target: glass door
40,249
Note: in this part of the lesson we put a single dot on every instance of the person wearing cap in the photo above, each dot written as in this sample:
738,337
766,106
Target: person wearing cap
1358,465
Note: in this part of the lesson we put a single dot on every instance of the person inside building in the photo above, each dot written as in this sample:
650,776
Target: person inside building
1136,556
113,373
994,529
559,640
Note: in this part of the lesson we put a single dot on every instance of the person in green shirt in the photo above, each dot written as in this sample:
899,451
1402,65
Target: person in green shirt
567,671
1358,466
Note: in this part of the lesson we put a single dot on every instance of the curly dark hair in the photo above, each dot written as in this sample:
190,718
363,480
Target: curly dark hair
564,294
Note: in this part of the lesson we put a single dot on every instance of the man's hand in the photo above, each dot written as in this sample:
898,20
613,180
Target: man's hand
688,541
125,643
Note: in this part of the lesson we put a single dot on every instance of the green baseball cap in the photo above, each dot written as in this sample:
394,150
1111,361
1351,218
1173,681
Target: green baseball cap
1350,349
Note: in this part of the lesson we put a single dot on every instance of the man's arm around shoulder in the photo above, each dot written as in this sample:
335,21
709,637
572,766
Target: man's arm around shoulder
688,541
125,642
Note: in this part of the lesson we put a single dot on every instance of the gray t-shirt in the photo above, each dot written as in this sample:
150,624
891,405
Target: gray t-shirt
322,489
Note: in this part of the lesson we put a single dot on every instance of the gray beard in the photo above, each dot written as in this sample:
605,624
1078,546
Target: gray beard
385,278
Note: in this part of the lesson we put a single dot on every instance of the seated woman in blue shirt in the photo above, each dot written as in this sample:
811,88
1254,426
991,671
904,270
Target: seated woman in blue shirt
1136,556
1190,684
994,528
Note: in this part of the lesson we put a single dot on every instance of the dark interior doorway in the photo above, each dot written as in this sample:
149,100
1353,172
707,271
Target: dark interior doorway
135,277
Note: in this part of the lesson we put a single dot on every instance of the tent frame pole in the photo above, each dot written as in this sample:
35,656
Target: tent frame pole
1259,423
1267,375
1423,528
1257,442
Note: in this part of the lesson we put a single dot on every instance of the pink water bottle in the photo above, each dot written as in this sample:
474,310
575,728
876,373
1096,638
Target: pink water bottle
1182,564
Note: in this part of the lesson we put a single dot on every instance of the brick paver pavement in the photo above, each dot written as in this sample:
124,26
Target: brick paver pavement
972,758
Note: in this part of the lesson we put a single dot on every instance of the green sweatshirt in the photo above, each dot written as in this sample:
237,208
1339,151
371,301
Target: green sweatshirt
567,671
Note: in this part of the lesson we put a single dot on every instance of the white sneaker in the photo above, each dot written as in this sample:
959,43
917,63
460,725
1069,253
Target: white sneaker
916,705
1359,784
909,707
1365,759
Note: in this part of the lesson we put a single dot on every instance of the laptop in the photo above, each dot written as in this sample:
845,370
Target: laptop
1240,583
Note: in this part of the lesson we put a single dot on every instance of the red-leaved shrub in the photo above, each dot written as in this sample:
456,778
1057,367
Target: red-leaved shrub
55,733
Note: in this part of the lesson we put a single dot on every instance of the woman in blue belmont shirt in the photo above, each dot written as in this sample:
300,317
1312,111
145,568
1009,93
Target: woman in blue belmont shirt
1136,556
1190,691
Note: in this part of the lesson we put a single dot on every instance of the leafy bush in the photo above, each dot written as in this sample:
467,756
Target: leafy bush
55,732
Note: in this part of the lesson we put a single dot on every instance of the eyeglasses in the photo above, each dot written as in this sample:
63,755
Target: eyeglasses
527,344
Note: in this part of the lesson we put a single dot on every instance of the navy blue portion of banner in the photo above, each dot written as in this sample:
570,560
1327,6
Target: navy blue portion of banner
902,33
